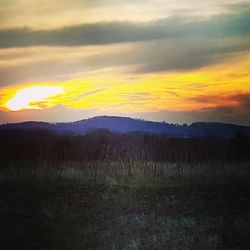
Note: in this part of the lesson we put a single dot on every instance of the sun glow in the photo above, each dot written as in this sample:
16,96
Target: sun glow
35,97
206,88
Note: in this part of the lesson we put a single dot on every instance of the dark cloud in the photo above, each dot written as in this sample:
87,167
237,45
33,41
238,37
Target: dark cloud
173,44
225,114
189,53
147,57
238,114
243,99
119,32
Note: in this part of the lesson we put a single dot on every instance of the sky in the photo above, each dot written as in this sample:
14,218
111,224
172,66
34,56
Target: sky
164,60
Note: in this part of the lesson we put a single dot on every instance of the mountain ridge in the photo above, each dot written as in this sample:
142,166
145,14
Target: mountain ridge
125,125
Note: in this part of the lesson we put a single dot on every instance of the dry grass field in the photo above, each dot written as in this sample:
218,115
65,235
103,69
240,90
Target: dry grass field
124,206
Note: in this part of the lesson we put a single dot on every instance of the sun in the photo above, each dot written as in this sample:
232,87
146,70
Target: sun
34,97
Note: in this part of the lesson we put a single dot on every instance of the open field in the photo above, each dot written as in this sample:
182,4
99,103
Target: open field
125,206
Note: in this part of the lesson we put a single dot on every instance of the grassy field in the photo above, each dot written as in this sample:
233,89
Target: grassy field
125,206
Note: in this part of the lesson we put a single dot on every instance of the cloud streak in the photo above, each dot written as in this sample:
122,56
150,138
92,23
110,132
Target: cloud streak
171,65
122,32
142,58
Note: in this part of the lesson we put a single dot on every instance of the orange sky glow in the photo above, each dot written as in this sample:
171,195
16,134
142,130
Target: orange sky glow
158,64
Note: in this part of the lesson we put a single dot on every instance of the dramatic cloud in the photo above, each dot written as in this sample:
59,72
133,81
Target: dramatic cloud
150,57
47,14
168,60
120,32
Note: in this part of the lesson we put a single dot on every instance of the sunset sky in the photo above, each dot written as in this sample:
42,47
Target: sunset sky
165,60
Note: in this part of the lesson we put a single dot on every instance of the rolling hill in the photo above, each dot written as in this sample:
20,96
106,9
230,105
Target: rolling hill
129,125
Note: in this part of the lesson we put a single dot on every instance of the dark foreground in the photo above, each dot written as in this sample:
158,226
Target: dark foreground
65,214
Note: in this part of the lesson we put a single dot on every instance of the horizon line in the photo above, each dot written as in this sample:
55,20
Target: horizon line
126,117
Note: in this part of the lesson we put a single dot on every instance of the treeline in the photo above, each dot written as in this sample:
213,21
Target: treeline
23,146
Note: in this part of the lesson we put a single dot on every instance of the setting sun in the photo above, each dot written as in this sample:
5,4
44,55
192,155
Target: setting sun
33,97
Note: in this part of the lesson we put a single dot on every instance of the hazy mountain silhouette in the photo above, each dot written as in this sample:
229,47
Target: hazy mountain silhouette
129,125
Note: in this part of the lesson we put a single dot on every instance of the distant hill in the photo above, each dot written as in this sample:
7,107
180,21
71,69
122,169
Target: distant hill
129,125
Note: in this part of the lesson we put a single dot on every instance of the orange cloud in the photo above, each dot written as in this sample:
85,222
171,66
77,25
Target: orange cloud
209,87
